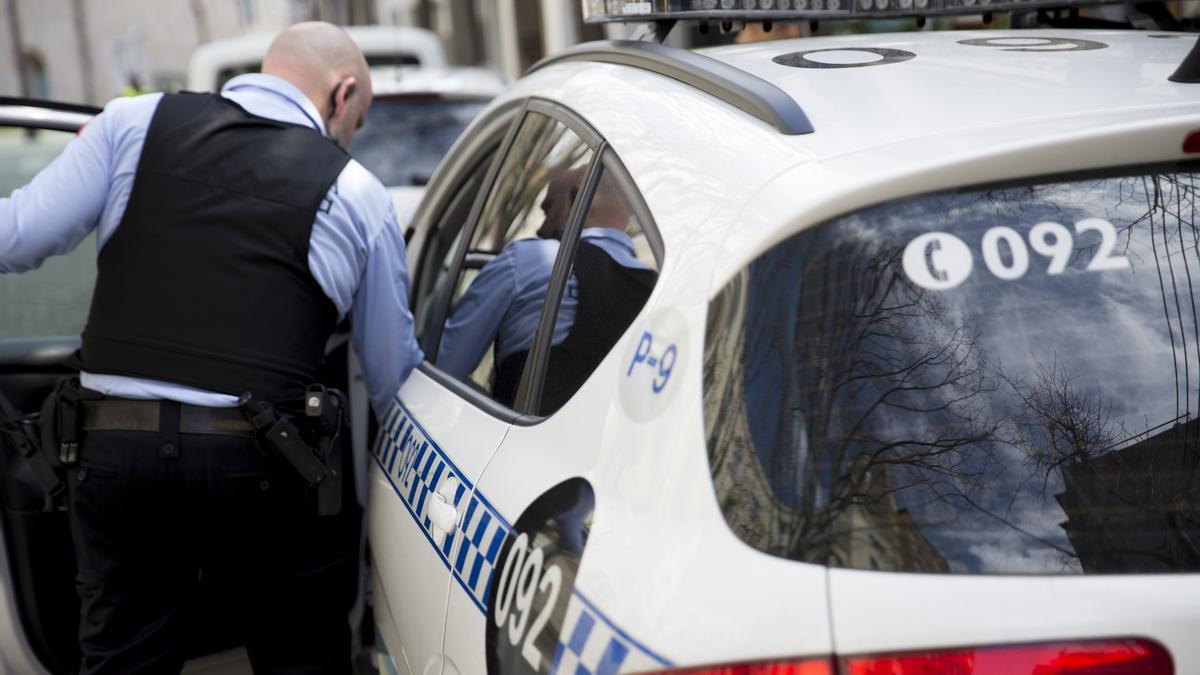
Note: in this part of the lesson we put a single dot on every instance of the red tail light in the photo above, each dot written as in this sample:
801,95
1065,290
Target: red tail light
1103,657
1098,657
1191,143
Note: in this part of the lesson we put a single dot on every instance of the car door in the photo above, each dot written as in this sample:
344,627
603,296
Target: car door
41,315
446,422
535,487
456,404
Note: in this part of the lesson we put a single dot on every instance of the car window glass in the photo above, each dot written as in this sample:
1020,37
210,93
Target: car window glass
990,380
52,300
612,274
404,138
501,290
433,282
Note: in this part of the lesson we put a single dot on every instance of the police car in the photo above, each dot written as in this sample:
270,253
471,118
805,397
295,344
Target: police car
893,370
909,391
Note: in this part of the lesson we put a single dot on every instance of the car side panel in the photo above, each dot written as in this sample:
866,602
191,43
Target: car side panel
430,439
880,612
661,573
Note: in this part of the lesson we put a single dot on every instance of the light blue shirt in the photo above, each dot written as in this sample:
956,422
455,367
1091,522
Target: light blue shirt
356,250
504,302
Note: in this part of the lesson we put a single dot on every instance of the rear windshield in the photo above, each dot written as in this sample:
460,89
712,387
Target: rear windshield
403,139
994,380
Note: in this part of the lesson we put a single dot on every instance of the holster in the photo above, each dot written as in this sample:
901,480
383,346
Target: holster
325,411
315,451
62,423
49,440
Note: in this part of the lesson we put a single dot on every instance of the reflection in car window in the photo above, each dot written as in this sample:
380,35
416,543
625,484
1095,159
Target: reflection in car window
612,274
506,271
404,138
1000,380
52,300
433,282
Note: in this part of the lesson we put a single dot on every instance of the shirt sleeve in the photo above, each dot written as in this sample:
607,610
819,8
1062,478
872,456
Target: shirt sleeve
63,202
381,322
475,319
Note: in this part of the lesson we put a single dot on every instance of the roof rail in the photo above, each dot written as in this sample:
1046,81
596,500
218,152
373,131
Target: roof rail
747,92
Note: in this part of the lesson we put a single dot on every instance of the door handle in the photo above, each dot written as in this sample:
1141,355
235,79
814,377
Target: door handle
443,515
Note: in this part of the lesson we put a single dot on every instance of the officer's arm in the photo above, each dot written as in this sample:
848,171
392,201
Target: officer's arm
62,204
382,325
475,320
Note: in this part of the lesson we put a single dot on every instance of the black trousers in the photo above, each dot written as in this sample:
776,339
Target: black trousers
153,515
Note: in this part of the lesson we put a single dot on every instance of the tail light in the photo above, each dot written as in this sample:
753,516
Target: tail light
1085,657
1191,144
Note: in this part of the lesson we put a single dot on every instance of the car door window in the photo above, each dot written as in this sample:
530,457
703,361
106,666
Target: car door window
613,271
52,300
433,282
505,273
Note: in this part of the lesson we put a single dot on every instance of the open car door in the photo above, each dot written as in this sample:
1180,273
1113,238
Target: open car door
41,315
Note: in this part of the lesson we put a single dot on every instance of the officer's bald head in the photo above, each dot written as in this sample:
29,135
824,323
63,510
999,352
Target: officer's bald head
322,61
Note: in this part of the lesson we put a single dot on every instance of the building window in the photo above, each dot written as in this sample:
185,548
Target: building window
246,11
33,72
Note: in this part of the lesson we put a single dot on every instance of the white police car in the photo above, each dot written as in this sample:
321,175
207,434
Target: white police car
897,353
909,390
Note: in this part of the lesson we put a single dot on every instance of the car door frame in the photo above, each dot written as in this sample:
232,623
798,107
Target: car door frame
25,647
604,161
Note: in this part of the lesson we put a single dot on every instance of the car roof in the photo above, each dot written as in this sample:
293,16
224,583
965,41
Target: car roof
211,57
956,81
955,114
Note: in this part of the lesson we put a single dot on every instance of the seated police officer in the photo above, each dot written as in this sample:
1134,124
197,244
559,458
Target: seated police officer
504,301
234,233
607,286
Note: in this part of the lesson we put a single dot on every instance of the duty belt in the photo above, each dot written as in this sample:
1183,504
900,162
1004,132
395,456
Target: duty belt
134,415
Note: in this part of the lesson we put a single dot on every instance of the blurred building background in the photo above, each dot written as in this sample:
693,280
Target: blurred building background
92,50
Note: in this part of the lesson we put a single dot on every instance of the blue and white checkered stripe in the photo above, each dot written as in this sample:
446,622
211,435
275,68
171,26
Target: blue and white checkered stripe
484,532
416,465
590,644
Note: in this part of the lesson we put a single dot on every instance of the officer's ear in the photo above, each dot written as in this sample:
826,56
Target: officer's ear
341,95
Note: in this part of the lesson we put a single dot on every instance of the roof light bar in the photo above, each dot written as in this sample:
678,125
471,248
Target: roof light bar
621,11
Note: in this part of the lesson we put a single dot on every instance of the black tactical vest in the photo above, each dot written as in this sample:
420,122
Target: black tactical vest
610,297
206,281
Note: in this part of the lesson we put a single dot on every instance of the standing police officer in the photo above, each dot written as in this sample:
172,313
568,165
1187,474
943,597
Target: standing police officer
234,234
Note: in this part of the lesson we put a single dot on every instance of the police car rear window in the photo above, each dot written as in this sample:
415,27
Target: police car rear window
995,380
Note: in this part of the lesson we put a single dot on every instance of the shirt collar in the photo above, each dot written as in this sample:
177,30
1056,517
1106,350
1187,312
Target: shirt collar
613,235
281,88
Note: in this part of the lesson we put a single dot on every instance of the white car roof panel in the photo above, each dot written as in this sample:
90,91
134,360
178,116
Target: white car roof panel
948,86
